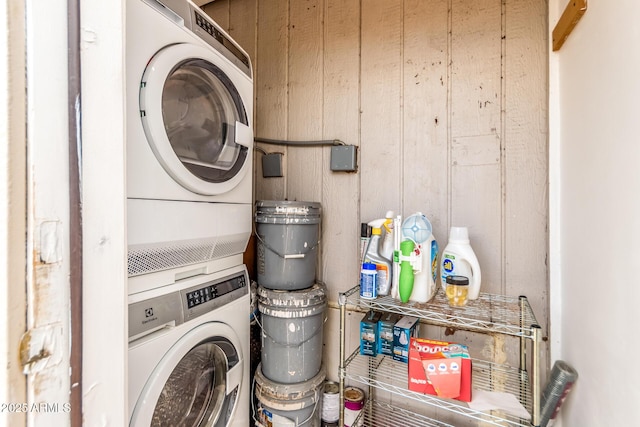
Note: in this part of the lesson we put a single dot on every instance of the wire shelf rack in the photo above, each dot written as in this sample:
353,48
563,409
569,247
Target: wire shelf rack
488,314
386,374
379,414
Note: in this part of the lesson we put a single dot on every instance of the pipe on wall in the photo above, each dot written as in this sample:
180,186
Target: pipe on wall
75,209
298,143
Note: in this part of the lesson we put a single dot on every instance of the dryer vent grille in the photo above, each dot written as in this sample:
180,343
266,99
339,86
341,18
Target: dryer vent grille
149,258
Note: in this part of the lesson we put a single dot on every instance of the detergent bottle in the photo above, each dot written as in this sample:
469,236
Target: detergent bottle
458,259
372,255
424,258
425,272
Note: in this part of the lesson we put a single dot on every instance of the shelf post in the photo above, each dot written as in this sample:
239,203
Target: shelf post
535,375
523,343
342,300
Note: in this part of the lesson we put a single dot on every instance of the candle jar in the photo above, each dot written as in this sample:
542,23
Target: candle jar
457,290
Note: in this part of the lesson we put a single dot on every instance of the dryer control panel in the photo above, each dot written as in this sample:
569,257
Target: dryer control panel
224,41
189,15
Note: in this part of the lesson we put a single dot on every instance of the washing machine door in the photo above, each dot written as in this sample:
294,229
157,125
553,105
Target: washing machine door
194,118
196,383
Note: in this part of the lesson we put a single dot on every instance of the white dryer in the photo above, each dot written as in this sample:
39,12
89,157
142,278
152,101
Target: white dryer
189,353
189,94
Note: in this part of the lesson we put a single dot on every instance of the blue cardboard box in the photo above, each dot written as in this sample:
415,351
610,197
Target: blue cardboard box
385,333
369,333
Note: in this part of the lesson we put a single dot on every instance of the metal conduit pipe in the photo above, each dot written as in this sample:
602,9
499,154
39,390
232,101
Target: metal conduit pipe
75,210
299,143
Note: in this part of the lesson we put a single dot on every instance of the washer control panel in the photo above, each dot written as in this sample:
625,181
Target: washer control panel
174,308
203,298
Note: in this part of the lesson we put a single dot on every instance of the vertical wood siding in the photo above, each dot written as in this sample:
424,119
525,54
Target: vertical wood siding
446,102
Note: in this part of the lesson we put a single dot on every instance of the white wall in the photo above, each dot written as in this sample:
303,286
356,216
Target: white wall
595,211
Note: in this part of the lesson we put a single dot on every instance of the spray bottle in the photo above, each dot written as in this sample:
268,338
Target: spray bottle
365,236
383,265
397,237
387,241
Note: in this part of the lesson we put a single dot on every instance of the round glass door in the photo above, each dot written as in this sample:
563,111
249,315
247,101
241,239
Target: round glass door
195,120
195,392
200,108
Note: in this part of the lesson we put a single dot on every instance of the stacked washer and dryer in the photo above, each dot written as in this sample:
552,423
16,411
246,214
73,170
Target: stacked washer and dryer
189,94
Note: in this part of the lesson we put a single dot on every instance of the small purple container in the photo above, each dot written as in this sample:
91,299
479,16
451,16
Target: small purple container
353,398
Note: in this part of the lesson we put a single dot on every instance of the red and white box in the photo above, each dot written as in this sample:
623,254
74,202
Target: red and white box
440,368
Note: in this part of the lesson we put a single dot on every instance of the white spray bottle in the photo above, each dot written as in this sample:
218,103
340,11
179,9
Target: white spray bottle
387,241
397,238
458,259
383,265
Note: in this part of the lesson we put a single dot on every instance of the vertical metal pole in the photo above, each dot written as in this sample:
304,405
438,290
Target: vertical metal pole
523,343
75,210
523,349
535,375
342,300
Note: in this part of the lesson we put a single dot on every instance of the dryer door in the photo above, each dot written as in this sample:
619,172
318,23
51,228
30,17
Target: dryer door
194,118
196,383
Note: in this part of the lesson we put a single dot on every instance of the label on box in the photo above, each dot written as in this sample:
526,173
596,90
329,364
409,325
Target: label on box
440,368
444,376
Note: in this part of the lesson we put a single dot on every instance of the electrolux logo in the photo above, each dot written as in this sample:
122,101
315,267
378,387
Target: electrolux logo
149,317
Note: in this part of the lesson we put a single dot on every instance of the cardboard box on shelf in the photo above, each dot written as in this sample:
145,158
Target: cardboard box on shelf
440,368
385,333
403,330
369,334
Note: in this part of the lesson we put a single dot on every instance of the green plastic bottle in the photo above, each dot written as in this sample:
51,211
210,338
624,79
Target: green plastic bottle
405,282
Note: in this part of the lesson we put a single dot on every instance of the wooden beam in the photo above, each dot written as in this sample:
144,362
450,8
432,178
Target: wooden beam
570,17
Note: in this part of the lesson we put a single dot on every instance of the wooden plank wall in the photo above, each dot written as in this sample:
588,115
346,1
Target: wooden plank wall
446,101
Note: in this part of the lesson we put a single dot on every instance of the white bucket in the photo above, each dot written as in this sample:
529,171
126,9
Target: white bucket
289,405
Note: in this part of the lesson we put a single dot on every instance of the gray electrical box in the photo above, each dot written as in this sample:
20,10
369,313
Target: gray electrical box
272,165
343,158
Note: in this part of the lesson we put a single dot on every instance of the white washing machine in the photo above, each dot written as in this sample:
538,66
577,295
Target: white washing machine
189,353
189,94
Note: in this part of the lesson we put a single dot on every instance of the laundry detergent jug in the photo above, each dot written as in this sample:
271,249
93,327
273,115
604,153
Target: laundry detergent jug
425,280
458,259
